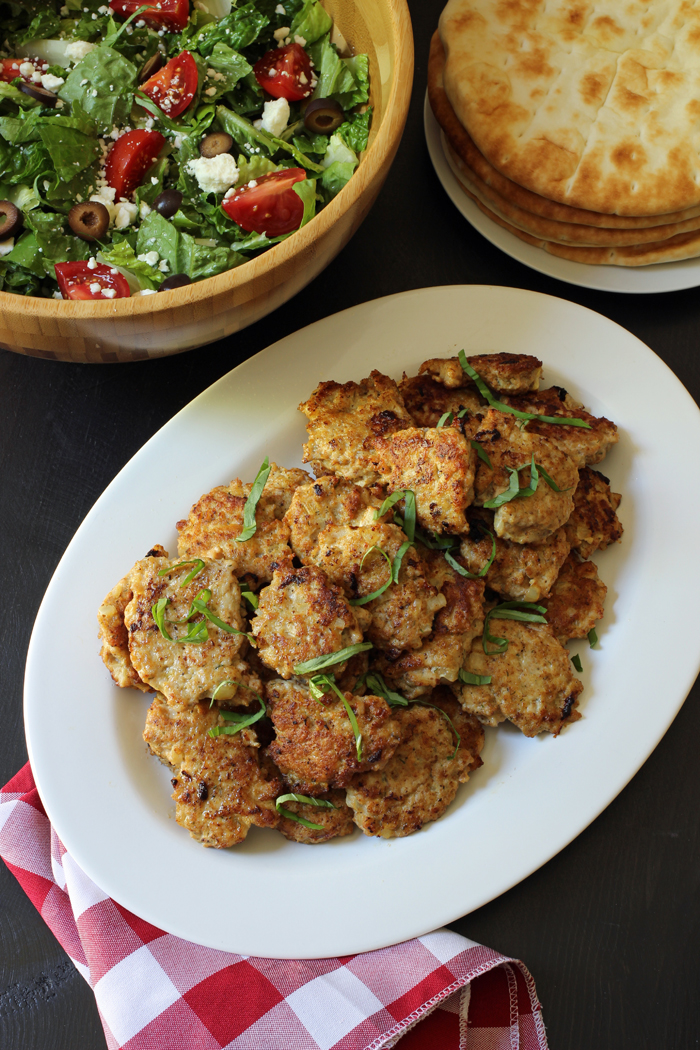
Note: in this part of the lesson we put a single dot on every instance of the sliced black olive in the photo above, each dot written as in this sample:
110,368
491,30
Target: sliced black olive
150,66
323,115
10,219
178,280
215,143
168,202
89,220
47,98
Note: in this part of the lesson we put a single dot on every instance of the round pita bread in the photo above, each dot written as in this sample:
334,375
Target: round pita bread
590,103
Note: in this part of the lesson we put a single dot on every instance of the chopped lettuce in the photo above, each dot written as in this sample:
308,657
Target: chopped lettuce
103,84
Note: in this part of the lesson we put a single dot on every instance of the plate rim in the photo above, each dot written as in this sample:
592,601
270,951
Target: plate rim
380,305
600,278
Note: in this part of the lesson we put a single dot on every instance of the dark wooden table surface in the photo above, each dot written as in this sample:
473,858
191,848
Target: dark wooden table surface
610,928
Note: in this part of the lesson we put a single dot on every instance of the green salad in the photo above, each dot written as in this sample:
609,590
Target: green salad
147,145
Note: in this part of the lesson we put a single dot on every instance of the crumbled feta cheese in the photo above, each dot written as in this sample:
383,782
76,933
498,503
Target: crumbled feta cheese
149,123
229,193
104,10
64,12
78,50
300,40
146,291
281,33
214,174
144,210
275,116
210,91
163,266
154,180
115,133
125,214
149,257
95,287
26,69
303,79
7,245
177,141
57,295
279,10
83,82
91,263
109,293
252,184
50,82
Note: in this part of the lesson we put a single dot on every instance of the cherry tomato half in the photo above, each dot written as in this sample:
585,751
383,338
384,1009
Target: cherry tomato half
285,73
271,206
173,87
77,281
166,14
9,68
130,158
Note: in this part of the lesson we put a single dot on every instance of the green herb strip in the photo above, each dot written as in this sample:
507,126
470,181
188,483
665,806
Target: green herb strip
454,564
201,607
158,613
510,611
378,687
380,590
305,800
481,453
474,679
514,491
592,637
198,566
576,661
249,523
240,721
502,407
318,686
408,522
319,662
251,598
196,632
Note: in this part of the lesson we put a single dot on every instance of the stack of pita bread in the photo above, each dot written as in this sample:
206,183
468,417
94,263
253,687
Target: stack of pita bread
575,124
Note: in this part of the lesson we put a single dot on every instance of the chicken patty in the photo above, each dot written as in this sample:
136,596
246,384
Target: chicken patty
576,601
593,524
427,400
220,786
335,823
520,571
583,445
187,671
315,747
328,501
504,373
346,420
421,780
532,684
301,616
437,465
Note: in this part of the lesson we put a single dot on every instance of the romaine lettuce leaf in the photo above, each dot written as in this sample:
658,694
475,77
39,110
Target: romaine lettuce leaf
124,256
344,79
103,83
237,30
311,22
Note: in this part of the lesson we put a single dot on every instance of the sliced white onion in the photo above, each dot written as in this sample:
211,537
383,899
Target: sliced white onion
217,8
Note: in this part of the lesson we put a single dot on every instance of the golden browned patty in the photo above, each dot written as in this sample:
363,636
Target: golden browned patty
220,786
427,400
463,612
416,673
437,465
421,780
314,746
335,823
576,601
584,446
328,501
344,422
504,373
402,615
187,671
532,684
216,521
593,524
113,634
301,616
520,571
534,518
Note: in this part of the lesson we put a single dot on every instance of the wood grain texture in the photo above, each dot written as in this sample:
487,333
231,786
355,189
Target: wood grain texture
139,328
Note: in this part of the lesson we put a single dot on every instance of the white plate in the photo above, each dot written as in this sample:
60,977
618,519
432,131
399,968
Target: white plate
661,277
109,800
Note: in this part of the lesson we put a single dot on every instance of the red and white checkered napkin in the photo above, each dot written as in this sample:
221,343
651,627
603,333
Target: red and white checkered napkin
158,992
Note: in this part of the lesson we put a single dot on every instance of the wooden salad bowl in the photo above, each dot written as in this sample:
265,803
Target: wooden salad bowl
170,322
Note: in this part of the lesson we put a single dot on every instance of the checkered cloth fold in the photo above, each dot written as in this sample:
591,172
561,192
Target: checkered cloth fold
155,991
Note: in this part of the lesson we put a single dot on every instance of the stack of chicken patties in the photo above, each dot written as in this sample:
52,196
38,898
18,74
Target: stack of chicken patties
575,125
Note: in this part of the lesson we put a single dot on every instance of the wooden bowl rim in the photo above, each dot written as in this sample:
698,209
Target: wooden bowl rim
229,280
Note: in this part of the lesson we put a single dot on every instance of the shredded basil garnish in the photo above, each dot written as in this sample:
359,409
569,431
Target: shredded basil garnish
510,611
453,563
474,679
481,453
293,797
380,590
378,687
198,566
408,522
196,632
445,419
240,720
318,685
502,407
514,491
319,662
592,637
200,604
576,661
249,523
158,613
